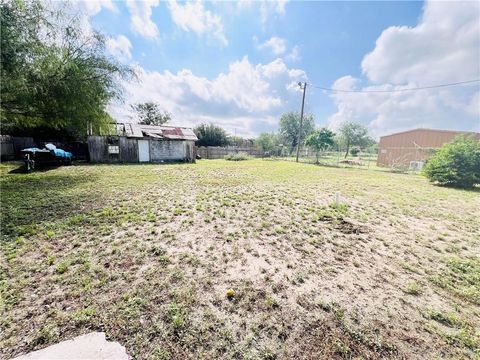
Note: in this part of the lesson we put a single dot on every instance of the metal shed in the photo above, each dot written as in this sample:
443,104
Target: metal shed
143,143
415,145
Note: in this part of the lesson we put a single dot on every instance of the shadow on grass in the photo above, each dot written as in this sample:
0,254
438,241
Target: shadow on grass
30,199
38,169
475,189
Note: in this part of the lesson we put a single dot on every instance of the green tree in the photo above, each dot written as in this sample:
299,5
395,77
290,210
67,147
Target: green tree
290,125
53,73
266,142
320,140
239,141
456,164
353,134
211,135
149,113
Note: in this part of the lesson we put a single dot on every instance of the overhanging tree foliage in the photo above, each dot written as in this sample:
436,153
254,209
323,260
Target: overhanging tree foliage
210,135
53,74
149,113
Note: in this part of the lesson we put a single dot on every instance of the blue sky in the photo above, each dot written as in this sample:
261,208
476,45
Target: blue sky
236,63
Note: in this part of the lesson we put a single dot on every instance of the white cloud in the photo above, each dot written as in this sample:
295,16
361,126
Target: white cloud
93,7
119,47
192,16
444,47
248,97
277,45
280,6
294,54
141,17
267,8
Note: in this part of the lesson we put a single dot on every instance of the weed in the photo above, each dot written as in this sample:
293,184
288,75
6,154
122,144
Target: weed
271,302
63,266
413,288
464,338
176,318
50,260
160,354
237,157
158,251
84,315
445,318
48,333
461,276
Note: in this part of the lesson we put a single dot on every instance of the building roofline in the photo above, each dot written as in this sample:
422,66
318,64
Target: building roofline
170,126
135,130
434,130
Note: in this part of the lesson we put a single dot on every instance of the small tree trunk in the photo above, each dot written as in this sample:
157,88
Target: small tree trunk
348,148
317,157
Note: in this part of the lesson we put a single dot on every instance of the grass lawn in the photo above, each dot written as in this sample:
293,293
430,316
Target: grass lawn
146,253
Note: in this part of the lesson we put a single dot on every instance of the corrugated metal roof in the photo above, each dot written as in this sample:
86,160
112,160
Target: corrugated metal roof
167,132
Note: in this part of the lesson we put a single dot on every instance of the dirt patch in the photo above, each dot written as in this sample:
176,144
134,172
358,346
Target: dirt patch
347,227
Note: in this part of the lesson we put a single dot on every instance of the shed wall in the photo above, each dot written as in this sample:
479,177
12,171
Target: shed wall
167,150
160,150
98,148
128,150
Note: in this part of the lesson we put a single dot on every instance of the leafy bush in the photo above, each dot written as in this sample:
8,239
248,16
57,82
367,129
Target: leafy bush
354,151
237,157
456,164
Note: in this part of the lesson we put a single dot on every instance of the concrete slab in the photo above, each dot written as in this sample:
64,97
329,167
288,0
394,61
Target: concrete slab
92,346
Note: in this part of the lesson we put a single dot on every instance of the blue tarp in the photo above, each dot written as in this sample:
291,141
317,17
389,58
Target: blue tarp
59,153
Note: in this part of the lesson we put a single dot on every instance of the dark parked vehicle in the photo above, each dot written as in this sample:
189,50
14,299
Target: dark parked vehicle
50,155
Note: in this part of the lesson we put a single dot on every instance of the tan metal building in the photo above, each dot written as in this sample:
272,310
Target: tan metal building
402,148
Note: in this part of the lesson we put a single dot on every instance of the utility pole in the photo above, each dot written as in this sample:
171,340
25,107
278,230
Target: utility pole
301,118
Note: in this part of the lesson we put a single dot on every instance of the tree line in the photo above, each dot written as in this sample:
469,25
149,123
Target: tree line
351,137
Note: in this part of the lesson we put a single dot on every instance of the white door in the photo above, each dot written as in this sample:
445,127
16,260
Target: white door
143,151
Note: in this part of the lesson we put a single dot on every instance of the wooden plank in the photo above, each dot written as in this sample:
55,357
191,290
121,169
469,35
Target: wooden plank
128,150
98,149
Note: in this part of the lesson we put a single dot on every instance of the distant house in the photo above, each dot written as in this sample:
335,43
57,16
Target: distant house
408,147
135,143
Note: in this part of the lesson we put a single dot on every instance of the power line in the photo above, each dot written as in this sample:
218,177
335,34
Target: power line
395,90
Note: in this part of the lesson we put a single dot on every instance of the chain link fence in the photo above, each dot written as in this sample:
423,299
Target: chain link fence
355,158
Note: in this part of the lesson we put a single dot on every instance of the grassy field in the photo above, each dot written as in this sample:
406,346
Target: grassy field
146,253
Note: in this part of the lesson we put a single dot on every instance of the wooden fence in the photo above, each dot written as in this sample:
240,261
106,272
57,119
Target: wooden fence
12,145
217,152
